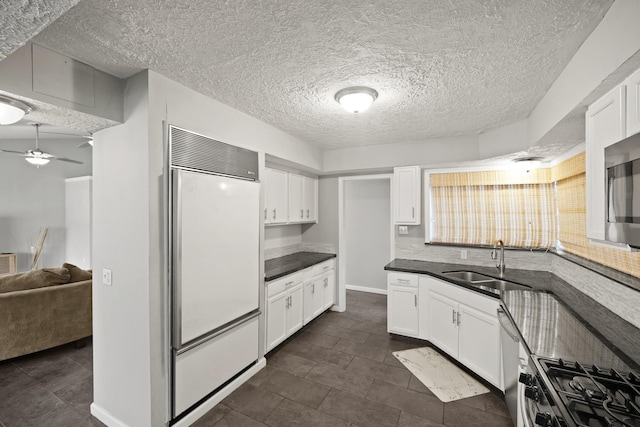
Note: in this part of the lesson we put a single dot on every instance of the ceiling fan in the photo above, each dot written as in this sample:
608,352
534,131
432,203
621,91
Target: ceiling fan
38,157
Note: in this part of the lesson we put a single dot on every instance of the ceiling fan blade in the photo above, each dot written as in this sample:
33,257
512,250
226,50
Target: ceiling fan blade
22,153
87,144
64,159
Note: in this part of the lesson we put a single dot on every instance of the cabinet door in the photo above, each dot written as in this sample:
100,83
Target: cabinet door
296,208
402,310
479,343
277,308
443,328
329,290
276,205
308,302
633,103
606,124
310,199
296,309
407,195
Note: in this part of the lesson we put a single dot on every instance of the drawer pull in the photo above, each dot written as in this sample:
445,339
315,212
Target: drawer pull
289,283
404,280
453,320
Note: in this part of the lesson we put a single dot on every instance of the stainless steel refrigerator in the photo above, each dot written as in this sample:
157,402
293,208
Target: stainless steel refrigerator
214,269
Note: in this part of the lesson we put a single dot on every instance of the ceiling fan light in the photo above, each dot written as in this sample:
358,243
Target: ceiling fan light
12,111
38,161
356,99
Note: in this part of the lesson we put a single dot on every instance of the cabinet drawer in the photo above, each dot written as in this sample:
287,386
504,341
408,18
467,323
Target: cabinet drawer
471,298
323,267
280,285
402,279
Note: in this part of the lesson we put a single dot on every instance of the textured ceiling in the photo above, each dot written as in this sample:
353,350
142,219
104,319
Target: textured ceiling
441,67
22,19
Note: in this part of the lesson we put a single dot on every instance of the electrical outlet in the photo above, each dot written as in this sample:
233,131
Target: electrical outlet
463,254
403,229
106,276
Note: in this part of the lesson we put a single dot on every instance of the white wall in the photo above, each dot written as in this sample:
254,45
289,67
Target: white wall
123,356
386,156
32,197
612,43
78,221
367,226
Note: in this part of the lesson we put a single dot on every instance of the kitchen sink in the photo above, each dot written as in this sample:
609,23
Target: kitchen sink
484,281
468,276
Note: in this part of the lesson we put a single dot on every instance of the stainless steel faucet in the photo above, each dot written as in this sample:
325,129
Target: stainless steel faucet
501,267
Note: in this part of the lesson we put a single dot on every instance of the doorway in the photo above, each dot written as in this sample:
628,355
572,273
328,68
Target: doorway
366,237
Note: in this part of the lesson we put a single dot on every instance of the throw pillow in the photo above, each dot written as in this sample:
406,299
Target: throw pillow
34,279
77,274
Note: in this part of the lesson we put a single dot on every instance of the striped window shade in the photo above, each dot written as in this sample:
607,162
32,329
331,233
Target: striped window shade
572,213
478,208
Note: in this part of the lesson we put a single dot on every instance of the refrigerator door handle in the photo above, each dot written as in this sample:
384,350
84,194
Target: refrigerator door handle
176,256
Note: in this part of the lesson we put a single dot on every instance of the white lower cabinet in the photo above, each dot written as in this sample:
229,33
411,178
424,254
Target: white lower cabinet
284,309
465,324
319,291
402,304
296,299
461,322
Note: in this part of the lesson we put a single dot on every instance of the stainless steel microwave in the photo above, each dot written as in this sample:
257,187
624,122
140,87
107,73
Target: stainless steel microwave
622,219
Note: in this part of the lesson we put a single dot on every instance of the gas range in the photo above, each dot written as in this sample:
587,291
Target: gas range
567,394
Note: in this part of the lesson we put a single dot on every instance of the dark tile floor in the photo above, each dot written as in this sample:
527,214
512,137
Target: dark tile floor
50,388
340,371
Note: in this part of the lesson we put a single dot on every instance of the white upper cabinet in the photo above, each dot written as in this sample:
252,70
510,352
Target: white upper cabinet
633,103
276,196
606,124
303,198
296,210
310,199
407,195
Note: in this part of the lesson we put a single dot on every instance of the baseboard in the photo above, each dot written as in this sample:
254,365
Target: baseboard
105,417
208,404
365,289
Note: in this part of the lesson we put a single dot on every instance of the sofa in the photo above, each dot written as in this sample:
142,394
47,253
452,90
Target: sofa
43,308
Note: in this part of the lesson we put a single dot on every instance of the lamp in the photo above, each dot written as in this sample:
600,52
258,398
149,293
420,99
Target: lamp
528,163
356,99
11,110
38,161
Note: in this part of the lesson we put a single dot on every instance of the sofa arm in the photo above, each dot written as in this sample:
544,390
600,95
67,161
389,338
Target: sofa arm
37,319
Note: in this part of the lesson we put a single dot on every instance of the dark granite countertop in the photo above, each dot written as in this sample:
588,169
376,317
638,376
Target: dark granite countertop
554,318
279,267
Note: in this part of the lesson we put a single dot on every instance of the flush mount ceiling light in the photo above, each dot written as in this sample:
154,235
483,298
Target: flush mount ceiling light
11,110
356,99
528,163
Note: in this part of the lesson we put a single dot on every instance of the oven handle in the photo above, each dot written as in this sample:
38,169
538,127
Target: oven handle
525,415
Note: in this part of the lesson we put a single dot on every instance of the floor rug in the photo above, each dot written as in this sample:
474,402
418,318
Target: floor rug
443,378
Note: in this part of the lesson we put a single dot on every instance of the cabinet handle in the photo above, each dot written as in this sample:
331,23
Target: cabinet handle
325,268
265,214
313,288
413,213
453,319
458,318
415,300
286,304
326,282
301,213
307,213
274,214
404,280
290,302
289,283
